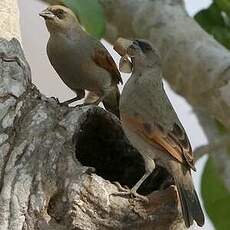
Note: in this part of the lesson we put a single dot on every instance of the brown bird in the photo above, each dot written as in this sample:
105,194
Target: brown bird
153,128
81,61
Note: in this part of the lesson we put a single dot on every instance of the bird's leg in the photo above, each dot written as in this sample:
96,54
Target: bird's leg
97,101
93,99
149,167
125,188
90,170
80,94
70,101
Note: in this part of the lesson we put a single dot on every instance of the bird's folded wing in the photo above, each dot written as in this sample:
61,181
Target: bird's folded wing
174,141
103,59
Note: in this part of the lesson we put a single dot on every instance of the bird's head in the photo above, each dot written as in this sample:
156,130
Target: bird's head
59,18
141,51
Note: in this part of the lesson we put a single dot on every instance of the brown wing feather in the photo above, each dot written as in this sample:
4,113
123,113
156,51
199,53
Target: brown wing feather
175,142
102,58
180,137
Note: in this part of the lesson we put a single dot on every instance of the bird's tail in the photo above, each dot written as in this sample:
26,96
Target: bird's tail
190,204
111,101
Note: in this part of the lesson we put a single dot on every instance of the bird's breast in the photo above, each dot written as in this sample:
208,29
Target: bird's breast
68,61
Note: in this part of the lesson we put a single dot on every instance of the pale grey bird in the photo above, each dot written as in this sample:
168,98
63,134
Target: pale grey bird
81,61
153,128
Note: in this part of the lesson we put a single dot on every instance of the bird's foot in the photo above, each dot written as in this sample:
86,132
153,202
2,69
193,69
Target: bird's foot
56,99
70,101
124,188
131,194
90,170
125,191
93,102
79,105
90,103
65,103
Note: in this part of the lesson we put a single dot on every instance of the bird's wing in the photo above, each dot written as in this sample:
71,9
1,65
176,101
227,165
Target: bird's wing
174,141
103,59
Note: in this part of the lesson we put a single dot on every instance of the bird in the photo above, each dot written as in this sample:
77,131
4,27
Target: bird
152,126
81,61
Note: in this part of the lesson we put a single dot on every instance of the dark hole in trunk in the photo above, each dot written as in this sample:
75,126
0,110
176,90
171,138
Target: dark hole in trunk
101,143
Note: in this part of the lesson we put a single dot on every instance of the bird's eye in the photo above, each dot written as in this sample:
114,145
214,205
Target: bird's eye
144,46
135,43
60,13
132,46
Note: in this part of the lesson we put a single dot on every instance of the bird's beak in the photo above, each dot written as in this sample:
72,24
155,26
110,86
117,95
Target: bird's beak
131,51
46,14
125,65
121,46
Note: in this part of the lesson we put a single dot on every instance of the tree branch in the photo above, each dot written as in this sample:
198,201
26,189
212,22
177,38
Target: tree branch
211,148
220,158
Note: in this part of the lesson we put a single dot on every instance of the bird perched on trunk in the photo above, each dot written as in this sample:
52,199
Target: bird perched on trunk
81,61
153,128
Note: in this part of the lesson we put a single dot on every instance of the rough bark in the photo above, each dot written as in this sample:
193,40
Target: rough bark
43,146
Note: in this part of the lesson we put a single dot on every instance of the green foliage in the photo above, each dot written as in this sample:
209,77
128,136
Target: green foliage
224,5
216,22
216,197
90,14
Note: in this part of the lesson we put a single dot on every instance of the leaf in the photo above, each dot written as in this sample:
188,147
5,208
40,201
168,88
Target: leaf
90,14
222,35
210,17
224,5
216,23
216,197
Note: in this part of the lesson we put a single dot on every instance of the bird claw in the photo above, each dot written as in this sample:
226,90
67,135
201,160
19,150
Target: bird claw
128,192
56,99
79,105
121,188
90,103
90,170
65,103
